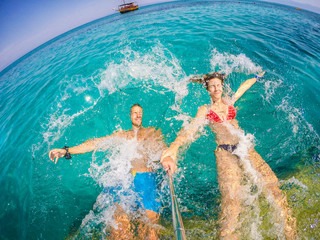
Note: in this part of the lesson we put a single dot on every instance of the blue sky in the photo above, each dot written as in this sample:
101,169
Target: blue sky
26,24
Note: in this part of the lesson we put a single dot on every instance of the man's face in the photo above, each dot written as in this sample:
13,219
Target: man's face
136,116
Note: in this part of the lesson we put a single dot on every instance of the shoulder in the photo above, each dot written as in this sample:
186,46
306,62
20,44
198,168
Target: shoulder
202,111
203,107
119,133
152,130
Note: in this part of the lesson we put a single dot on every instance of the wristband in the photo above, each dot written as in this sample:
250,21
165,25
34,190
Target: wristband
258,78
67,155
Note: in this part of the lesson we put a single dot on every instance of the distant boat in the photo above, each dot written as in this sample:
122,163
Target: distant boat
128,7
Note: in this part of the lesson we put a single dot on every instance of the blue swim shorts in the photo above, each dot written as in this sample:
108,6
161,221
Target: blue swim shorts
145,185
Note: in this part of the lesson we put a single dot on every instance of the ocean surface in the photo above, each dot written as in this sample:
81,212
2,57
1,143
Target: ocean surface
81,85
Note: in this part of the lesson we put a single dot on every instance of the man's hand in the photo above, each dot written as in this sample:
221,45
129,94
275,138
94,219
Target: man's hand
55,154
169,165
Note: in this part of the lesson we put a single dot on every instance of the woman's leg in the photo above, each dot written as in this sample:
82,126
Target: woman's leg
271,188
229,178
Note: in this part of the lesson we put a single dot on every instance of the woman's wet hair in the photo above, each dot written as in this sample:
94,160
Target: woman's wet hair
207,77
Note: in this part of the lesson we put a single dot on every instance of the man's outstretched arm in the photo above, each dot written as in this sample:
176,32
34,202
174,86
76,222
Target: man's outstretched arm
85,147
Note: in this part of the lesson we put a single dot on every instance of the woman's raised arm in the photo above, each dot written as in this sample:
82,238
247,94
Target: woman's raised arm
245,86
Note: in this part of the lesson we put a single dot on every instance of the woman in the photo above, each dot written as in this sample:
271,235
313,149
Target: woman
233,164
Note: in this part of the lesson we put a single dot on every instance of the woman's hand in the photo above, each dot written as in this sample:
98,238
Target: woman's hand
169,165
171,152
55,154
169,159
260,75
246,85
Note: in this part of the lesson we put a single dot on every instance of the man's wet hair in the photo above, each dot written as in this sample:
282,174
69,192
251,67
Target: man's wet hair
135,105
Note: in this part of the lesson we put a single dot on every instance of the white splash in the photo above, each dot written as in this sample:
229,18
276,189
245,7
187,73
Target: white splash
68,106
59,122
296,182
229,63
293,114
157,67
270,87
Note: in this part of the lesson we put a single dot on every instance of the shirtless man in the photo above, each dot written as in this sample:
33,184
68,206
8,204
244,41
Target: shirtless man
149,139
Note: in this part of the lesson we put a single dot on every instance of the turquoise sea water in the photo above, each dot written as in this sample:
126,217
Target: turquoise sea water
81,85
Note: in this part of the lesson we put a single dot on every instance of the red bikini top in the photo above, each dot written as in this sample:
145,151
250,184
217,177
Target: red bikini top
212,116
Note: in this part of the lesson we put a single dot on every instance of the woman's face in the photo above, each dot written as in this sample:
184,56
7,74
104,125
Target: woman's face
215,88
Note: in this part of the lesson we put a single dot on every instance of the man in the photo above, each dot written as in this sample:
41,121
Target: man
149,140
